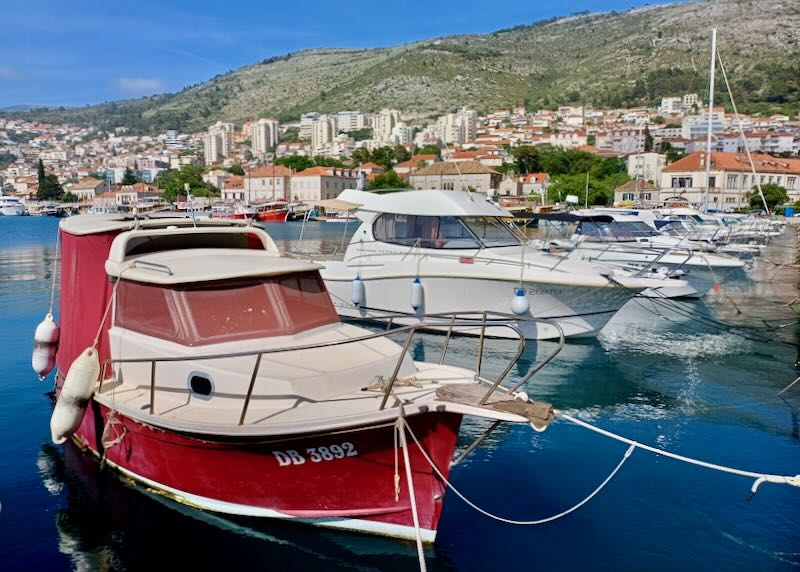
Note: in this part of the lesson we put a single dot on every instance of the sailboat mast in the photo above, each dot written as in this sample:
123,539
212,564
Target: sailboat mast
710,115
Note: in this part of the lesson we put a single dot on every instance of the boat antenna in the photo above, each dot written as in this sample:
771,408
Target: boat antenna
741,134
464,185
190,202
710,115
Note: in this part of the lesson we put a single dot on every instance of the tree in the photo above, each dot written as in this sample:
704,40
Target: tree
401,154
174,182
526,159
773,194
236,169
387,180
430,149
295,162
70,198
128,177
50,189
40,173
648,140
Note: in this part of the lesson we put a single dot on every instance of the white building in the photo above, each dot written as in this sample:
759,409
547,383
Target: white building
670,105
382,125
306,124
323,130
695,126
265,135
690,101
646,166
350,121
458,128
321,183
218,142
402,134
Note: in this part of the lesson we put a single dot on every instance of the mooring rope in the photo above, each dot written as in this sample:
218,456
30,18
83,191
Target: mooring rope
484,512
760,478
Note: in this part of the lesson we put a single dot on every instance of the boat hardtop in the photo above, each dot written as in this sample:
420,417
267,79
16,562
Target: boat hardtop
423,203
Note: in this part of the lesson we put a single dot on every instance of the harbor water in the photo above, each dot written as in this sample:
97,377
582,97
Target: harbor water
657,374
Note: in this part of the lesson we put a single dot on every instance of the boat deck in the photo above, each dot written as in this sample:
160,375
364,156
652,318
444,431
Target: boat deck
431,388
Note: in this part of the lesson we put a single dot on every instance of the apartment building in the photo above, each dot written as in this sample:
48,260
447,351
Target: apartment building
218,142
646,166
264,135
382,124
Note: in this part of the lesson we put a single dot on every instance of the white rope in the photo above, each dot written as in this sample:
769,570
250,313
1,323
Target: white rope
401,422
112,421
55,272
788,386
508,520
760,478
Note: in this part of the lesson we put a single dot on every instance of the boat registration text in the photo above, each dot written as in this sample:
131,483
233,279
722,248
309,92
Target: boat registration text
314,454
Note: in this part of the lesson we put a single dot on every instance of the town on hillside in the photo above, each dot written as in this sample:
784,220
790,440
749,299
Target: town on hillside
637,156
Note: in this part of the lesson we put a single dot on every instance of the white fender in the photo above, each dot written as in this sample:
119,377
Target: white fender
519,303
45,346
417,294
75,394
358,291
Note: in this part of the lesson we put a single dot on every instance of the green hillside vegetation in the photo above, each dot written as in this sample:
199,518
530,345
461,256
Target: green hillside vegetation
607,60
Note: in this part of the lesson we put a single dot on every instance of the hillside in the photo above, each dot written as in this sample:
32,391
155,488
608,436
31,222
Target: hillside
610,59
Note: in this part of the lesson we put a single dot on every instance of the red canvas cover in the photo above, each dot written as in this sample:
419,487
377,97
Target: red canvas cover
85,291
216,312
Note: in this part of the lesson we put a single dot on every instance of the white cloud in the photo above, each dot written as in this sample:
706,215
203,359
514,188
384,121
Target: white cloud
139,85
7,72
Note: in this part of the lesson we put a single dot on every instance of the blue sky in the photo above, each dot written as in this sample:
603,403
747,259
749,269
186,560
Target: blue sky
66,52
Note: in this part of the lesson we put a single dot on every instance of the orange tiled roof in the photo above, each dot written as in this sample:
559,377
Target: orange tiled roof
734,162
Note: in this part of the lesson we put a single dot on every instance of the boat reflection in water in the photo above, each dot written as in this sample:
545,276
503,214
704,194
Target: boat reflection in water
108,523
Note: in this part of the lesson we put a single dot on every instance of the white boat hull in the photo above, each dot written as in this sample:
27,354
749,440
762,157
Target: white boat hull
580,311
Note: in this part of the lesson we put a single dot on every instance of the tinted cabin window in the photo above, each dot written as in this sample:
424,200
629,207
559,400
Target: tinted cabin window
225,311
423,231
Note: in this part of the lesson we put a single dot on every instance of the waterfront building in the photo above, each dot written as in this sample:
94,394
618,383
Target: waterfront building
88,188
638,192
730,178
321,183
451,176
267,183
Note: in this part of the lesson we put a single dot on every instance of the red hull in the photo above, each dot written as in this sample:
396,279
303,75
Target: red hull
346,478
273,216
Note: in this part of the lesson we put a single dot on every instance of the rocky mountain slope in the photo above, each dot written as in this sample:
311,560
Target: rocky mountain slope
609,59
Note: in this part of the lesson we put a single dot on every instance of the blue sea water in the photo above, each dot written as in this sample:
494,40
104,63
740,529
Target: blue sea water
653,375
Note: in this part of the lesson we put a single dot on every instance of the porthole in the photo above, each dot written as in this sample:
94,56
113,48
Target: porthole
200,385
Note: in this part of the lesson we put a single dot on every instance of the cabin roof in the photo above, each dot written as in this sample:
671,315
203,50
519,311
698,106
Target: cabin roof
94,224
425,203
206,265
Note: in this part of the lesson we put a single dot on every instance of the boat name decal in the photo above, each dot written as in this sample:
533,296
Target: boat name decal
540,291
315,454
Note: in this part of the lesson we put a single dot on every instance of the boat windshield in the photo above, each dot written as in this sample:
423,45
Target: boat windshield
216,312
615,231
445,232
674,228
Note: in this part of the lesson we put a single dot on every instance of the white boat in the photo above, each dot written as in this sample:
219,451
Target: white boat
619,243
11,206
421,253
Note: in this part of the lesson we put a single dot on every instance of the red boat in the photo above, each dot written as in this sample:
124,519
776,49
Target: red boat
220,375
275,211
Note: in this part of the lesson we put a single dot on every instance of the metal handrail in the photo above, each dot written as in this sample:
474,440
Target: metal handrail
411,329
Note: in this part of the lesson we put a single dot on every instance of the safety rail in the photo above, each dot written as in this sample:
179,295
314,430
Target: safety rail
499,319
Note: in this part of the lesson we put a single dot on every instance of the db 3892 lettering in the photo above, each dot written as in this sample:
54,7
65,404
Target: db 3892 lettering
288,457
